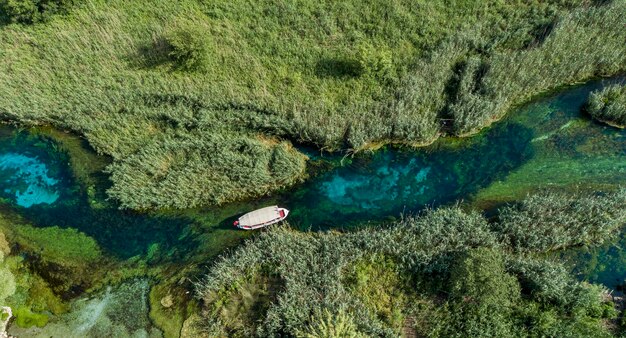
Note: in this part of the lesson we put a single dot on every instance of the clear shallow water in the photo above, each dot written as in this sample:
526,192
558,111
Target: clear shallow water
391,181
548,143
27,178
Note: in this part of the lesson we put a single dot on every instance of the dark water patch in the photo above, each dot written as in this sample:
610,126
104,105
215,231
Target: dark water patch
122,233
603,265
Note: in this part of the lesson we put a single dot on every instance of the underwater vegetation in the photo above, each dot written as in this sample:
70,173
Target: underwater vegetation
119,311
390,181
445,272
609,105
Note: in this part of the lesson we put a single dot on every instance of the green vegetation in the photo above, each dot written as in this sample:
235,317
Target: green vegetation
187,94
558,220
482,295
189,43
7,280
25,318
375,282
330,325
609,105
32,11
64,246
448,272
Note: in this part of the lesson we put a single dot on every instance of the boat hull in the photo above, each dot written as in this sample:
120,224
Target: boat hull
261,218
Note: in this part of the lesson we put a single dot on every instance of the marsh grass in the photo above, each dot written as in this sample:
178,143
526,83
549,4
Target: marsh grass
179,103
486,279
178,92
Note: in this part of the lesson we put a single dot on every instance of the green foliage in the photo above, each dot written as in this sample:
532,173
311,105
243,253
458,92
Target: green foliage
33,11
214,169
376,282
447,256
450,228
609,105
7,280
375,61
190,43
326,324
25,318
482,295
265,69
241,307
501,78
551,221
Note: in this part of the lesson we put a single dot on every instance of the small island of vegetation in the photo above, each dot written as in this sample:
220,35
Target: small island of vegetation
609,105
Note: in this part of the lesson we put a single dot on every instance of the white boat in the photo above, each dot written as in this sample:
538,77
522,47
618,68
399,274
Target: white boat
261,218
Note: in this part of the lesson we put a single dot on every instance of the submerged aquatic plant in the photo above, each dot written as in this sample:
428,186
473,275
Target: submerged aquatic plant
120,311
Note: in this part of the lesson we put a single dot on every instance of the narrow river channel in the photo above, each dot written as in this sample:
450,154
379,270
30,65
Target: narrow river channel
548,143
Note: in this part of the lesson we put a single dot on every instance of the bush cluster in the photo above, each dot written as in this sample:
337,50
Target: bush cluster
473,268
33,11
558,220
609,105
189,43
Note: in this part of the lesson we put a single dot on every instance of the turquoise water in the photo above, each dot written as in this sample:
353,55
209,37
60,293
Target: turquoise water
548,143
27,178
36,182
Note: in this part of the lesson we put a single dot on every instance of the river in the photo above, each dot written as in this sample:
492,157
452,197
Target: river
545,144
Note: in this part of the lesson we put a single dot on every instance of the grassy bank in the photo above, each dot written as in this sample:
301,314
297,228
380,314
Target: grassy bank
187,94
448,272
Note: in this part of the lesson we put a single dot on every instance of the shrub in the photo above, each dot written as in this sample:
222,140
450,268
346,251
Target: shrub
376,282
190,44
325,324
33,11
375,61
482,295
608,105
